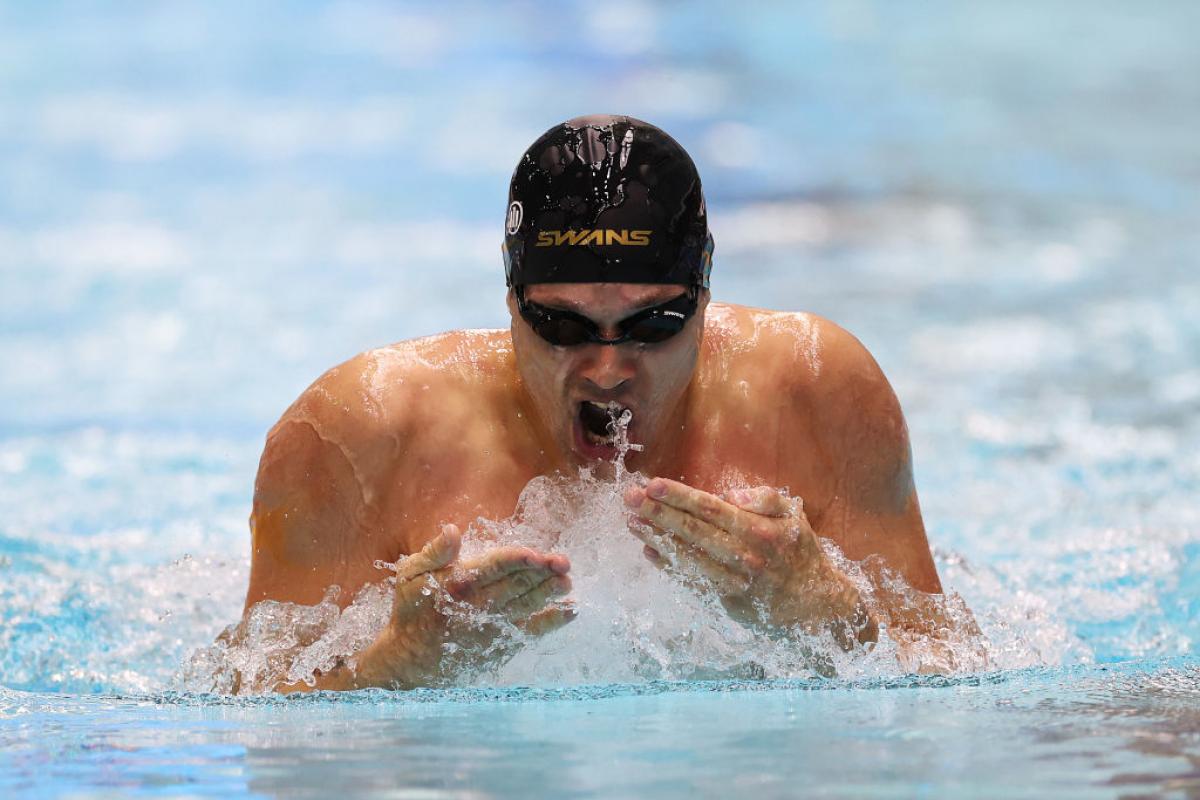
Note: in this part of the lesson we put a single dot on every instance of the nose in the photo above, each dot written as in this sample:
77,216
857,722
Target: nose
608,366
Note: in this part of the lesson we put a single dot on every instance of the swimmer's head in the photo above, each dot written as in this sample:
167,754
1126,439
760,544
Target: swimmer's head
576,390
606,199
607,255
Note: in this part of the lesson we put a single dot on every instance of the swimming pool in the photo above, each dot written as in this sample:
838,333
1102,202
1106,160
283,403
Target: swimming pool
206,205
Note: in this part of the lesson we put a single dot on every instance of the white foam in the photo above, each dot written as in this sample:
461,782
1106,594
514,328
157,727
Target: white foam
635,621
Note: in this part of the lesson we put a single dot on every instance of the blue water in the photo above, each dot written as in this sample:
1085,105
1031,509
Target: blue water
206,204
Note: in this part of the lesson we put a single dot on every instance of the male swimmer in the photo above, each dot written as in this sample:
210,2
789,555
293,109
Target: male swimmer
607,255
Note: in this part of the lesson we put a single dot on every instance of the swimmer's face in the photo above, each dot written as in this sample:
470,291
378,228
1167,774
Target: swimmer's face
648,379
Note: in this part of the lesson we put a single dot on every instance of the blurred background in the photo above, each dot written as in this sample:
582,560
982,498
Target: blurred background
204,205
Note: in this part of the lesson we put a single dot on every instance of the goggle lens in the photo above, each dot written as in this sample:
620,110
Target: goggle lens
567,329
655,329
562,332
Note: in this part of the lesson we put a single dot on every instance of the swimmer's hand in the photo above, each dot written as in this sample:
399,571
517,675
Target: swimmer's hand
425,646
756,549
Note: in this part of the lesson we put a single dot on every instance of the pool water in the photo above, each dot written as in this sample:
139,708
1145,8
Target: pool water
206,204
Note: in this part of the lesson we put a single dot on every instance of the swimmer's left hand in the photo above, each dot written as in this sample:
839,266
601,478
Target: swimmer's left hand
755,547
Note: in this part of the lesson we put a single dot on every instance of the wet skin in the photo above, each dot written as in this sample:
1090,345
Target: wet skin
395,451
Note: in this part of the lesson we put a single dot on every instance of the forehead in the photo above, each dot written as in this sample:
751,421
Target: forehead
601,299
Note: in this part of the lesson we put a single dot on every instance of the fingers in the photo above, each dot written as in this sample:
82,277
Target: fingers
437,553
667,551
700,504
738,534
654,556
535,599
494,580
722,511
549,620
717,543
763,500
518,594
694,563
496,564
501,576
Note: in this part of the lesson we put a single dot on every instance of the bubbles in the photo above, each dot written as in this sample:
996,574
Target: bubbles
618,429
127,620
285,642
635,621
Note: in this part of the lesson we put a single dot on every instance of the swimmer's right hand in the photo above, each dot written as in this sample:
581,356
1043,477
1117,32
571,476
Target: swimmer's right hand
424,645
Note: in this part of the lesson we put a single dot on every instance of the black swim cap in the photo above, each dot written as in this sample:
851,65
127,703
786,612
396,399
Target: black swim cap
606,199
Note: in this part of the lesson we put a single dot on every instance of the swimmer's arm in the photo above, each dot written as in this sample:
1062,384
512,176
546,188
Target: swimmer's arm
873,508
306,526
875,518
303,517
305,535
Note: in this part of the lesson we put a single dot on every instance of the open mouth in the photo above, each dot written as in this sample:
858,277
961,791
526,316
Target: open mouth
597,427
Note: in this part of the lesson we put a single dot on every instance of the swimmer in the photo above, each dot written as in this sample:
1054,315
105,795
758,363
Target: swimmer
389,456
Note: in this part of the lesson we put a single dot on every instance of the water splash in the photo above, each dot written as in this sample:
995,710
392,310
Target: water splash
287,643
635,622
618,429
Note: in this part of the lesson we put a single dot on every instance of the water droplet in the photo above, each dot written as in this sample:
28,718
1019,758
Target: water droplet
425,590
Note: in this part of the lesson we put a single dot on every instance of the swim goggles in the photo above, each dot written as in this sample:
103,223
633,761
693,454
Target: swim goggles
563,328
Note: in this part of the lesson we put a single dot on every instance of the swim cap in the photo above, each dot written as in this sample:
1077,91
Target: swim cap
606,199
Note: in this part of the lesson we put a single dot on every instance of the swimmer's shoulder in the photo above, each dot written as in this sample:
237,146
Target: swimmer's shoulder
394,390
796,345
835,384
331,461
803,352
